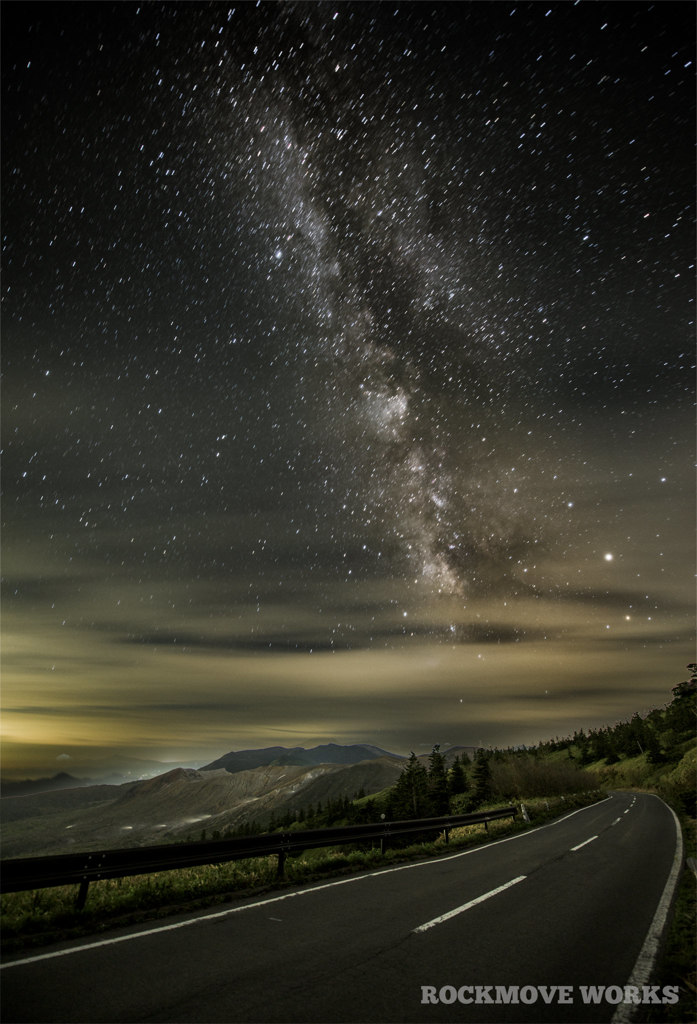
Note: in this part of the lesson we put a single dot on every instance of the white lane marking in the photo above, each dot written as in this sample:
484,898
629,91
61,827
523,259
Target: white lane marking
300,892
466,906
616,821
643,968
584,843
487,846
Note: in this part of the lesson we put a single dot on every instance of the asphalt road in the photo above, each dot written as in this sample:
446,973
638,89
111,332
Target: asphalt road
569,905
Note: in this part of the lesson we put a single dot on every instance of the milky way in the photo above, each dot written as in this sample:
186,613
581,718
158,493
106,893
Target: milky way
331,327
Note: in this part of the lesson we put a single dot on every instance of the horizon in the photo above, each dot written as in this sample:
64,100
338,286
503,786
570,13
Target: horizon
119,762
348,376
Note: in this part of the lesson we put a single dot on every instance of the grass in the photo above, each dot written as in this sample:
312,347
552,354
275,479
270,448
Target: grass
679,955
39,917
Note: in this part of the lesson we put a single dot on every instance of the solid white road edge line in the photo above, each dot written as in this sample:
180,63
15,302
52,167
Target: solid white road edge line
466,906
645,962
175,926
585,842
275,899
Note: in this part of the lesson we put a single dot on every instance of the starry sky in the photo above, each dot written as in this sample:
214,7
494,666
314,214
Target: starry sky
347,374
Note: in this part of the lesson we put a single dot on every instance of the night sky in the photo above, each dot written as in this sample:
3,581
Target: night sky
348,374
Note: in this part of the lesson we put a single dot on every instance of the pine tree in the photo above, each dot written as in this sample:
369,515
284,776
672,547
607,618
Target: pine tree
654,754
482,778
638,733
680,714
410,795
612,757
438,783
457,780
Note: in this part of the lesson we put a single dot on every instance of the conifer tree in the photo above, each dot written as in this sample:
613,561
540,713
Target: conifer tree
410,795
482,778
457,780
438,782
654,754
680,714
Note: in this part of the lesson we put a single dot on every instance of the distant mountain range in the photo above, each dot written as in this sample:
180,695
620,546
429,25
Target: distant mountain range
111,769
27,787
328,753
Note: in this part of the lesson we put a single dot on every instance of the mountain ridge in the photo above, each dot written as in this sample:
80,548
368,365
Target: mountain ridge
327,753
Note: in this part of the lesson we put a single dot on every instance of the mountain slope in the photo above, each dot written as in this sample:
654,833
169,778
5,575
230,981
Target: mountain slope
333,753
243,760
180,804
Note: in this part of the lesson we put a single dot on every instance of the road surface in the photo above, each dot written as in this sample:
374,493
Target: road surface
518,930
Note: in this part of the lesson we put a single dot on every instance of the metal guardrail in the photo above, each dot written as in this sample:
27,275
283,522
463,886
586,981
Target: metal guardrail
22,873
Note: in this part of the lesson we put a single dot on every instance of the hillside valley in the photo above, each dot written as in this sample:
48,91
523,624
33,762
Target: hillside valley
181,803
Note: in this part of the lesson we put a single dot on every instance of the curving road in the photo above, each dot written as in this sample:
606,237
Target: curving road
526,929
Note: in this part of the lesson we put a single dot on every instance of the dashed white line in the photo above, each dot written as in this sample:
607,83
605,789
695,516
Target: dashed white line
584,843
467,906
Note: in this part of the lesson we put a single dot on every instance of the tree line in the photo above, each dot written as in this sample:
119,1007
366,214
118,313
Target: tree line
657,734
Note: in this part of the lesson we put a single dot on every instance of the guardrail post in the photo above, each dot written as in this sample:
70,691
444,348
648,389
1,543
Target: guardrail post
81,898
447,835
282,854
85,882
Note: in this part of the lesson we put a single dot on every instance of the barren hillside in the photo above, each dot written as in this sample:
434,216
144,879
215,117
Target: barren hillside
180,804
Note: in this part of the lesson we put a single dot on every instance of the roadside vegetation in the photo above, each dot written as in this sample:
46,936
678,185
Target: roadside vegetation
655,753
